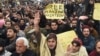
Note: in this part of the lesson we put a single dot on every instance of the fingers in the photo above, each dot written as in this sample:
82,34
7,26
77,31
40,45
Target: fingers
68,48
37,15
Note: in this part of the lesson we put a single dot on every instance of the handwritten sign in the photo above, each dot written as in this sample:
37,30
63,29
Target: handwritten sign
54,11
66,38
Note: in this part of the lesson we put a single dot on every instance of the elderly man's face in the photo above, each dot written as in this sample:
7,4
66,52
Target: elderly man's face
20,47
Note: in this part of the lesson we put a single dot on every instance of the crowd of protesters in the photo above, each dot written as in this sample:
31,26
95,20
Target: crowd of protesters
25,30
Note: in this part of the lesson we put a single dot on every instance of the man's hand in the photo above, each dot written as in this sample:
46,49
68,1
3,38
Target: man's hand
69,48
36,21
37,18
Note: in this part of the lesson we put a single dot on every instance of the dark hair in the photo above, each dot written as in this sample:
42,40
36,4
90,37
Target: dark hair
15,31
54,21
51,35
16,24
48,23
21,19
0,9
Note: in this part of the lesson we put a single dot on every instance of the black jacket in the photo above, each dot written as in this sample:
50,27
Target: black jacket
26,53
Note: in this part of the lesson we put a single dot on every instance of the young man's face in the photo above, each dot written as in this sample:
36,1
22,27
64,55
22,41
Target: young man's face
8,24
54,26
17,27
10,33
74,23
86,32
22,22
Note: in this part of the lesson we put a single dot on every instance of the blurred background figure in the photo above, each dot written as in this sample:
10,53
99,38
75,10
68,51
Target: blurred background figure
96,52
3,51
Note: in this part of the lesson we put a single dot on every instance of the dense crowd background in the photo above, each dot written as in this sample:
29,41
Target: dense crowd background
23,27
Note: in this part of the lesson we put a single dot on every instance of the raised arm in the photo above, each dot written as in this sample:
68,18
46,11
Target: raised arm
36,21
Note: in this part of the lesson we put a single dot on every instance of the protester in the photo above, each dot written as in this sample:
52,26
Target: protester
22,24
2,28
11,39
20,33
96,52
8,24
84,33
3,52
36,38
2,21
76,48
53,47
29,17
22,46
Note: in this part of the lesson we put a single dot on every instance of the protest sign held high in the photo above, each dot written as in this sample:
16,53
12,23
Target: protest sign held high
54,11
97,11
66,38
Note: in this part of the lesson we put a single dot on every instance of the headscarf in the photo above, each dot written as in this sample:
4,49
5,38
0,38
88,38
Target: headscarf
58,51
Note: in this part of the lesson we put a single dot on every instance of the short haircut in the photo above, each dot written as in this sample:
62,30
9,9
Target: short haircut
26,42
53,21
15,31
21,19
16,24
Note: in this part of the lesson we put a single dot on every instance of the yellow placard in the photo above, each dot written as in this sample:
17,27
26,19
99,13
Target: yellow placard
66,38
54,11
96,14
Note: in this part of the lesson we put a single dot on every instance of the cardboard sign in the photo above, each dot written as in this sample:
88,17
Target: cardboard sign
66,38
96,14
54,11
